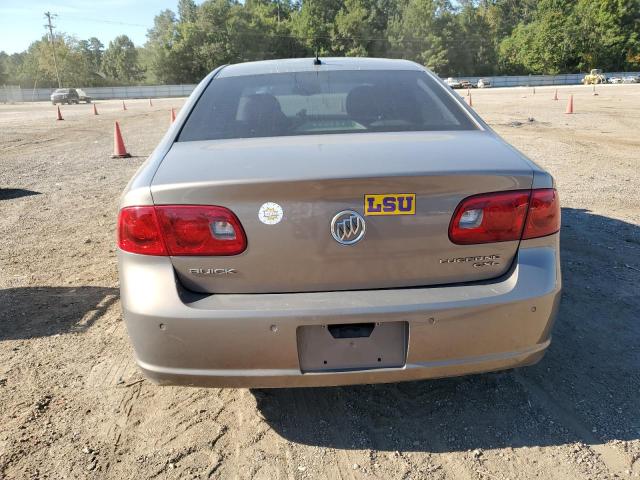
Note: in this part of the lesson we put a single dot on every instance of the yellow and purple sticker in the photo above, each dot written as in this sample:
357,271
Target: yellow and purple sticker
390,204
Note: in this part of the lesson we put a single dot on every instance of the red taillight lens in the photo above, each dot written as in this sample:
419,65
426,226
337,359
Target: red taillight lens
502,216
139,232
544,214
200,230
489,218
181,230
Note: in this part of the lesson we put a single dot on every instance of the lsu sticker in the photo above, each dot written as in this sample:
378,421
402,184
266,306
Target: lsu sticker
390,204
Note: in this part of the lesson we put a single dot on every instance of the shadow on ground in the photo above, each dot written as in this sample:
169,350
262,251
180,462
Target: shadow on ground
11,193
30,312
584,390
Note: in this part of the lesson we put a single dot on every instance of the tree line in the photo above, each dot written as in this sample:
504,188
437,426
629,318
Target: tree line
463,38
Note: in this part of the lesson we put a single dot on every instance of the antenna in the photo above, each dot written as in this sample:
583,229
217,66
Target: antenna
317,61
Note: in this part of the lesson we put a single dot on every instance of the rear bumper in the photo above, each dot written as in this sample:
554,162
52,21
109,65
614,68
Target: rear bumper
250,340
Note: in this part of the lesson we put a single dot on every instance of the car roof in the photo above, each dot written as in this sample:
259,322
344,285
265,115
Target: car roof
307,65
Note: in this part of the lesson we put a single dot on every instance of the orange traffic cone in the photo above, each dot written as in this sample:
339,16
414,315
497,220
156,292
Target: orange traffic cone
173,115
555,95
119,151
124,107
95,110
150,104
468,92
470,100
59,114
569,109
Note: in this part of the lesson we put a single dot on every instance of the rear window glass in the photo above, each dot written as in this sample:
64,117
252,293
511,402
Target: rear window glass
62,90
311,103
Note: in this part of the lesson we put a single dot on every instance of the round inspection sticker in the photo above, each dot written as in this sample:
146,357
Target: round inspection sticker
270,213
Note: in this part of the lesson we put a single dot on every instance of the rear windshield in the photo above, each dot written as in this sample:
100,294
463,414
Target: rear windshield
313,103
62,90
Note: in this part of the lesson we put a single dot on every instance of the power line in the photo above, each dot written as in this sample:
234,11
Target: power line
268,34
112,22
405,41
48,16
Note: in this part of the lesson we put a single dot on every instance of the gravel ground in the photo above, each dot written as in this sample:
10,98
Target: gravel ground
73,405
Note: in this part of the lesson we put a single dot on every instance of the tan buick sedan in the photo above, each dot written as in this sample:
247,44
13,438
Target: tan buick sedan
337,221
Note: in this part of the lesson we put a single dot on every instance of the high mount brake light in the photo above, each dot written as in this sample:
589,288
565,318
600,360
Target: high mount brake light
505,216
180,230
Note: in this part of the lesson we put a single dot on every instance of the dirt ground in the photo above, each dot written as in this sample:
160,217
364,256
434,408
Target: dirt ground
73,405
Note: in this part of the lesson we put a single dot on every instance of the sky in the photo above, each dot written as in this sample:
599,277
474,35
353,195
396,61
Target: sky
22,22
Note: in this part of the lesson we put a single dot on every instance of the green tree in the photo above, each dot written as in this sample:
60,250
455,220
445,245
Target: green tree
505,15
360,27
608,34
268,30
3,67
120,60
312,24
160,40
96,51
187,10
473,50
544,46
423,31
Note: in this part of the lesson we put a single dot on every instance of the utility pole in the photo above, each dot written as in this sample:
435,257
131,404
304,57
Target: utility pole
48,16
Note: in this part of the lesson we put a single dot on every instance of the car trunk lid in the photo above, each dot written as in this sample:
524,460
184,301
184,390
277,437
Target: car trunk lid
313,178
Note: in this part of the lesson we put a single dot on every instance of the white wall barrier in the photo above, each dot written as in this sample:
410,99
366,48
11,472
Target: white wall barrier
15,94
11,94
542,80
106,93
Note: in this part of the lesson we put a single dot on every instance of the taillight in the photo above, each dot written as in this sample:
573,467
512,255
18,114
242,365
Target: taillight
200,230
139,232
544,214
183,230
502,216
489,218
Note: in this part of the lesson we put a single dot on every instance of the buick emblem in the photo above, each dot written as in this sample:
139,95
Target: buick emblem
347,227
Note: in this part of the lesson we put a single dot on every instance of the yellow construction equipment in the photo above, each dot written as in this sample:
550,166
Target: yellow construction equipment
594,77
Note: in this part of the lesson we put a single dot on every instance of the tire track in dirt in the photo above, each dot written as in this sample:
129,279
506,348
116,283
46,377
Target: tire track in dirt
453,468
555,404
292,465
290,468
190,417
341,462
126,404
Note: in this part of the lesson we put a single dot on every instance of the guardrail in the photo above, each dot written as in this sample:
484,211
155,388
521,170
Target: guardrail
16,94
